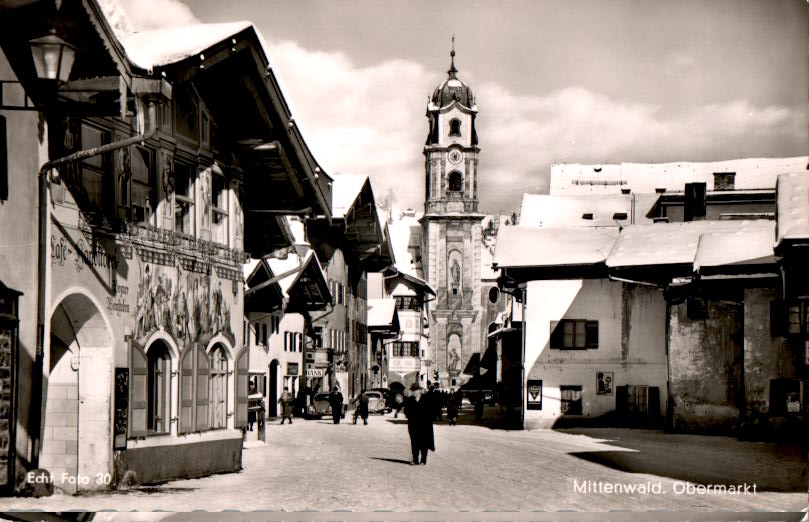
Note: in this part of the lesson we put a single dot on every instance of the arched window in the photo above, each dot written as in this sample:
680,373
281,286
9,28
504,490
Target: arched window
158,385
454,127
217,387
455,181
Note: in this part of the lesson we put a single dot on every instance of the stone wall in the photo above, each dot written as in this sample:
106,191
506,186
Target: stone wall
706,362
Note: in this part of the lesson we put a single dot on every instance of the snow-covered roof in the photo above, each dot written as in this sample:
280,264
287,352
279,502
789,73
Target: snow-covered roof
589,210
752,244
381,311
531,247
159,47
670,243
405,233
345,189
751,173
792,206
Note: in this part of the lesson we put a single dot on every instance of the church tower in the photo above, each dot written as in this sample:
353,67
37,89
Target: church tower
452,231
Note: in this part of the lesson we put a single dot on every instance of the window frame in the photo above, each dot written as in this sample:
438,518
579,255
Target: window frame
184,199
589,330
220,211
158,402
578,401
218,354
455,175
455,127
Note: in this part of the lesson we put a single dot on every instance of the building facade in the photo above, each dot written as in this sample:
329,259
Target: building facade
140,231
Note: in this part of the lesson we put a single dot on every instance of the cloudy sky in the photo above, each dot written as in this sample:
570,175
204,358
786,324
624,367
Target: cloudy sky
556,81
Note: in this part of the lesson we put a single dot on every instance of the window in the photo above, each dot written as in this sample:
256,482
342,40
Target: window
158,382
299,341
455,181
337,292
789,397
186,114
454,127
570,400
318,338
264,334
287,341
143,185
219,219
574,334
95,182
217,387
724,180
405,349
408,302
184,176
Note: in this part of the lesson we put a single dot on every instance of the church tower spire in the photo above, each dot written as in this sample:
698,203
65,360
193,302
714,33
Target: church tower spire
452,228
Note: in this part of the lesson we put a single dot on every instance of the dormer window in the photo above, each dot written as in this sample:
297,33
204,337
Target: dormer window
455,127
455,181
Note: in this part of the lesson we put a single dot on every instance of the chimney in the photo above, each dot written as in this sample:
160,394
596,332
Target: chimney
694,203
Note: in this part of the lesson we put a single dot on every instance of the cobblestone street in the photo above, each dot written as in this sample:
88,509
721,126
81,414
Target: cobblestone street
315,465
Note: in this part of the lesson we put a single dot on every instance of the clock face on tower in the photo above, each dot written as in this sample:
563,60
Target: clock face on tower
455,157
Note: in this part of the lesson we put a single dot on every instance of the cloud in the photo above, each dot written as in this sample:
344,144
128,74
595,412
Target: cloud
371,120
145,15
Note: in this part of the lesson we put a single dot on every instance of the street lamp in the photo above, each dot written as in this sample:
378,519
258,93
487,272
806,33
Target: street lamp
53,57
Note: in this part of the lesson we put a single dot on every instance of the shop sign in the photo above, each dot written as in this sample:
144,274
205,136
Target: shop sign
315,372
534,392
292,369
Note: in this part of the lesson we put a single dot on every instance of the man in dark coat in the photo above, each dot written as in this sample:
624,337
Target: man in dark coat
336,402
419,412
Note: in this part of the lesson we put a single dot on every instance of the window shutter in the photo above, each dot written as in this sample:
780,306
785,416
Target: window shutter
138,393
778,318
202,419
242,367
591,334
557,334
186,390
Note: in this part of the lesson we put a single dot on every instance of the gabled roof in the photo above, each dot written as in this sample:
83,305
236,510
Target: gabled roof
345,191
792,207
300,281
382,315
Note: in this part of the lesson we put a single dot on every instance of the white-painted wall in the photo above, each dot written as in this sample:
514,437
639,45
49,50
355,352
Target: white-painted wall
638,360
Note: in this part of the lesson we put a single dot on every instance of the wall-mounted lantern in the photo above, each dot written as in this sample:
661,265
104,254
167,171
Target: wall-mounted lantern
53,57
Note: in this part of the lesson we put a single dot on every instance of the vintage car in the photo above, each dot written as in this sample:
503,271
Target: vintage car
321,405
376,402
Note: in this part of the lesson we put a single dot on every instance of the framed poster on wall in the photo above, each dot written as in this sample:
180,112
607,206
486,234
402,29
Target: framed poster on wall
604,383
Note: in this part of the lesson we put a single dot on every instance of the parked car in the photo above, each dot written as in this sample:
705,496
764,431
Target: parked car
321,405
376,402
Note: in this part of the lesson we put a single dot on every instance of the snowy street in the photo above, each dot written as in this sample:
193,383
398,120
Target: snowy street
316,465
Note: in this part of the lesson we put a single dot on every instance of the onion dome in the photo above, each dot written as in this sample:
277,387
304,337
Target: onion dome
453,89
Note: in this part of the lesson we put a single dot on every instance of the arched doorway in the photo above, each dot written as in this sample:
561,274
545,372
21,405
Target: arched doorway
77,439
273,400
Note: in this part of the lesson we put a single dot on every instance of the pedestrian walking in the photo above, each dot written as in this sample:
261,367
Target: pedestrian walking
286,402
398,403
362,409
419,412
452,408
336,402
479,406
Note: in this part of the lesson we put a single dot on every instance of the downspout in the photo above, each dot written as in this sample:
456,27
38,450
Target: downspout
36,405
